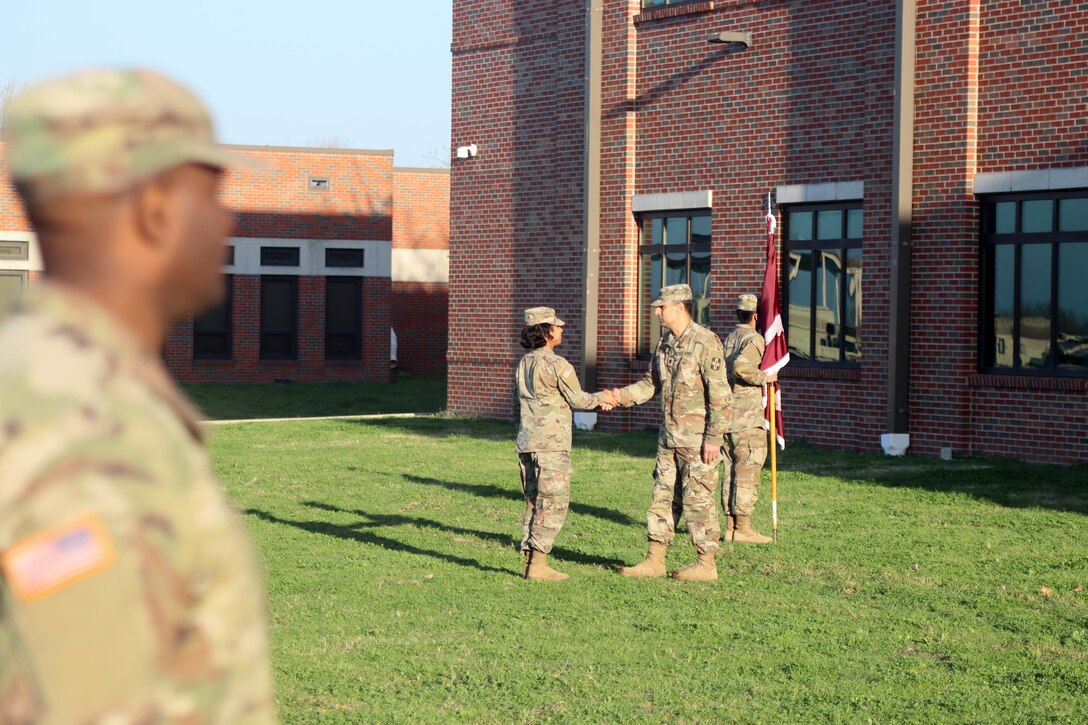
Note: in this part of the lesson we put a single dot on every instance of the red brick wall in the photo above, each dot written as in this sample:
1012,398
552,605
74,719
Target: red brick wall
999,88
421,220
11,212
273,198
516,221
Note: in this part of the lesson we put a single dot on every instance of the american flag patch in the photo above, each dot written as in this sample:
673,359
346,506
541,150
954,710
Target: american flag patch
568,371
50,560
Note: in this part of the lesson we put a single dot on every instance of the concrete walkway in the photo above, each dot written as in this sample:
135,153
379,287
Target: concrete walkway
318,417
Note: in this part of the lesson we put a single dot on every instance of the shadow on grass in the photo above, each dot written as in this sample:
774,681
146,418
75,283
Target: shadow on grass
1007,483
489,491
352,533
392,520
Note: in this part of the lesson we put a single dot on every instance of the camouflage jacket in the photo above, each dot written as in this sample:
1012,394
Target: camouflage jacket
689,373
743,353
547,389
129,588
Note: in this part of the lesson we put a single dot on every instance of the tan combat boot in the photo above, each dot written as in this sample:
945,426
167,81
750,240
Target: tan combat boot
652,566
526,554
727,529
539,571
744,532
705,569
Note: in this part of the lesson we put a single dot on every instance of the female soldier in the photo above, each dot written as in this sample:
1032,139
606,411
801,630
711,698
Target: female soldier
547,389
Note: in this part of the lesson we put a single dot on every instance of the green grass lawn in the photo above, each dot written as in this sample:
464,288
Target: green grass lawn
409,394
908,590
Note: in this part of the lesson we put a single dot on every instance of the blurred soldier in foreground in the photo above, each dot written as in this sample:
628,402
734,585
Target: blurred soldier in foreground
129,588
548,388
745,446
688,371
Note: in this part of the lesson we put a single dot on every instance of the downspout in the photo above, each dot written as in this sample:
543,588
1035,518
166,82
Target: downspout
591,203
897,438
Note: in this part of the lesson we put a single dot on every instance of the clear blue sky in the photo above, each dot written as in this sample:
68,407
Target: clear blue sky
370,74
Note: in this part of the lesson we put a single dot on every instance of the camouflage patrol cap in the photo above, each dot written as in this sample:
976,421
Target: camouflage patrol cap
672,293
105,130
747,303
540,315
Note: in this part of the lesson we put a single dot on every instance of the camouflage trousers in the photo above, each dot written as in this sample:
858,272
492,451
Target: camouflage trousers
744,453
545,483
684,484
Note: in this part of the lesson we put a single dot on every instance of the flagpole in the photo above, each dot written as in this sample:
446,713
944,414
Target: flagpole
773,442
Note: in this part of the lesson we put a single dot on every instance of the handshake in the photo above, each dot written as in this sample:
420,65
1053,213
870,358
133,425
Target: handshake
611,398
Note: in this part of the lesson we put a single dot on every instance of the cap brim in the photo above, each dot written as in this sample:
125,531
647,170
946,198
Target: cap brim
557,321
657,303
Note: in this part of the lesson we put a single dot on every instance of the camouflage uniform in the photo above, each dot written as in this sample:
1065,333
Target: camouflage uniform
129,588
745,447
547,389
688,371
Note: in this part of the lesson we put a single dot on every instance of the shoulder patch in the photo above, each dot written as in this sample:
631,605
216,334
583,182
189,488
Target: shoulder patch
715,363
569,369
52,559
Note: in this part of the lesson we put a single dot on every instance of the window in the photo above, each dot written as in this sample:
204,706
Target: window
212,330
1034,297
279,256
674,248
279,318
822,286
343,318
341,257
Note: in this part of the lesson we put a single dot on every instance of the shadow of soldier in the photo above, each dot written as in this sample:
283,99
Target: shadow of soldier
396,520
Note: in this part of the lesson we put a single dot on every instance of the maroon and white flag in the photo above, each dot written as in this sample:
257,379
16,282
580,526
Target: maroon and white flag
777,353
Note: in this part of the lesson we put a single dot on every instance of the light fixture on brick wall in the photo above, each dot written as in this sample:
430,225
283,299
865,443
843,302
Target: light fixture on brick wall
467,152
744,39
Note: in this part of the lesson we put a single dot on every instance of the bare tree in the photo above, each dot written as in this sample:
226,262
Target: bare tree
7,90
439,157
335,141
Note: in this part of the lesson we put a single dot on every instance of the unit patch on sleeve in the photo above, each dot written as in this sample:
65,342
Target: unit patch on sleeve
52,559
716,363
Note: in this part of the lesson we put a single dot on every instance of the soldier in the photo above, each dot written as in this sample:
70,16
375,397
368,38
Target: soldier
547,389
688,371
745,446
129,588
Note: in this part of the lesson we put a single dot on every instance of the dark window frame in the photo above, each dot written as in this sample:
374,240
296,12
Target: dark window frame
988,241
293,333
333,263
841,245
645,250
294,259
227,332
357,330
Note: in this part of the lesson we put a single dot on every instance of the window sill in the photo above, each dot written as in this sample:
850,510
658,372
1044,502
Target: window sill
1028,382
813,372
673,11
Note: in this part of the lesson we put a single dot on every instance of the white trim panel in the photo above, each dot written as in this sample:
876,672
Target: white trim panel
1001,182
421,265
377,258
671,201
33,262
813,193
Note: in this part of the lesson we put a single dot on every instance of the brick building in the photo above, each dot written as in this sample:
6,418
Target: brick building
929,162
332,247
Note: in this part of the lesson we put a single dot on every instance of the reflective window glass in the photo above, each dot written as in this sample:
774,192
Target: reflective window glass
1073,215
829,224
800,226
799,315
1038,216
1035,305
1073,307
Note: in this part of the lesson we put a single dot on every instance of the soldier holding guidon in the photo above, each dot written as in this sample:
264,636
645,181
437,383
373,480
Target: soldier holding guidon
688,372
547,389
745,447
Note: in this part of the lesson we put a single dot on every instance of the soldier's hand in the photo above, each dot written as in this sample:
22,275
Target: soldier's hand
772,377
710,453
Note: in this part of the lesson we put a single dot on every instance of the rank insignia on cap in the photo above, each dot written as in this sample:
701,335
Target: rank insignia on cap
54,558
